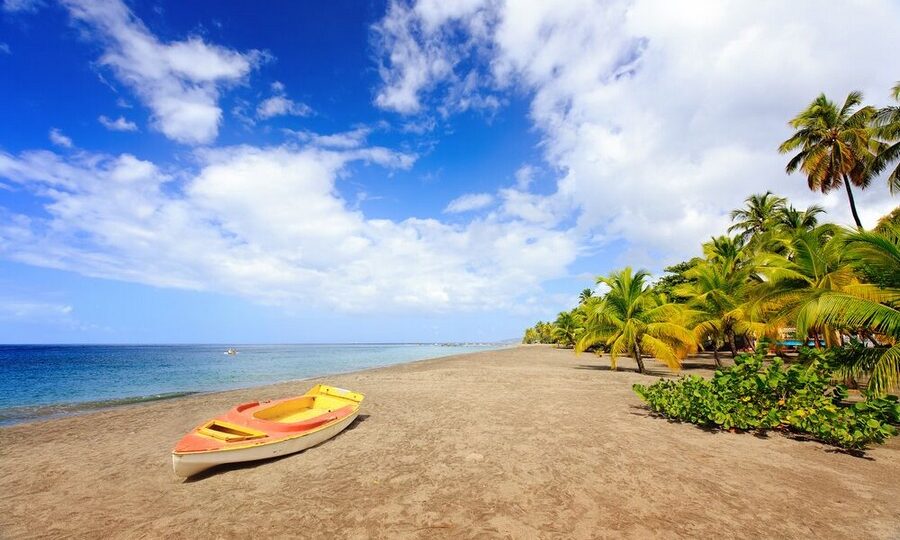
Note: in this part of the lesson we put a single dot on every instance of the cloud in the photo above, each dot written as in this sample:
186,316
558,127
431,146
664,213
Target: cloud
18,311
13,6
416,54
669,121
31,311
59,139
346,139
525,176
179,81
269,224
469,202
119,124
4,49
280,105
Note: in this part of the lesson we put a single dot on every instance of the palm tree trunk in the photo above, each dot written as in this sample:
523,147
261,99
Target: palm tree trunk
731,344
852,203
638,359
716,354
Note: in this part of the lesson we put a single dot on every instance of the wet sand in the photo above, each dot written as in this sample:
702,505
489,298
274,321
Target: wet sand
527,442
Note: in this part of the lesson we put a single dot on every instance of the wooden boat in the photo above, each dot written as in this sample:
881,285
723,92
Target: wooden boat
255,430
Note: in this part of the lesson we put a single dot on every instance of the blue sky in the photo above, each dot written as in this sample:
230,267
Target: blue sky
401,171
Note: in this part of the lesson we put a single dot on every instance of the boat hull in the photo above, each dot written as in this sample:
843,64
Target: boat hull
189,464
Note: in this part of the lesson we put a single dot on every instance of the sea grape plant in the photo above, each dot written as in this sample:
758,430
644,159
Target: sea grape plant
756,395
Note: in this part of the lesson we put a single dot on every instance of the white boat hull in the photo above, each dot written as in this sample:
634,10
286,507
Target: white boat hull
189,464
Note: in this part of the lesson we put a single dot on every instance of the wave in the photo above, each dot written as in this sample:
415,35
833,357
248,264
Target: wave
26,413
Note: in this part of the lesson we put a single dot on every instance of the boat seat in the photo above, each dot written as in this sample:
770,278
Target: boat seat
245,417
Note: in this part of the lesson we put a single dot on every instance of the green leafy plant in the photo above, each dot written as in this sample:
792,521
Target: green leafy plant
754,395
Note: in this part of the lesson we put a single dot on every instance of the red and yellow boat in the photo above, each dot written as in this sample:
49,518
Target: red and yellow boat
255,430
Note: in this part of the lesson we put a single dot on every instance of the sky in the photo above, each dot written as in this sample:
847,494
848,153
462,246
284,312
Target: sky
401,171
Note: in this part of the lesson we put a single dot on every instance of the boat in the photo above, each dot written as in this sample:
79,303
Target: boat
231,352
260,430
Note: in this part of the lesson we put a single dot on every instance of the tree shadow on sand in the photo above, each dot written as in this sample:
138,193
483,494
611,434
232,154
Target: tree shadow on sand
646,412
219,469
704,363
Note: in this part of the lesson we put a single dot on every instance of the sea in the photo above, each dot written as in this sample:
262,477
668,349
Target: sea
47,381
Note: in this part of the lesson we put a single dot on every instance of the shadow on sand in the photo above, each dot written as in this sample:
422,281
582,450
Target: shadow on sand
218,469
645,412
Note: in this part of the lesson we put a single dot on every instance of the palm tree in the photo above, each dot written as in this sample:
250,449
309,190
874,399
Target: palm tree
717,291
889,219
567,328
758,216
791,219
815,264
887,131
835,146
873,307
633,320
586,294
728,249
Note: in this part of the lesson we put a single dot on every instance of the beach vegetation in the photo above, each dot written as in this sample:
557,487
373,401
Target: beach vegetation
886,130
634,320
541,332
759,395
567,327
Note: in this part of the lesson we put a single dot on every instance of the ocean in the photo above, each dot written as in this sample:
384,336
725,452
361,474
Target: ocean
45,381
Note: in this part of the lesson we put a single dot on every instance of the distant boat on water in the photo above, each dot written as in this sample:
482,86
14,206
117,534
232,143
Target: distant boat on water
231,352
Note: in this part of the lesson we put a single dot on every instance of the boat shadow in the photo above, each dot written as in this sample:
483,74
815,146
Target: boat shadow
220,469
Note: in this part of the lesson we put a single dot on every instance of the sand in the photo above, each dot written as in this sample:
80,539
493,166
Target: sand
528,442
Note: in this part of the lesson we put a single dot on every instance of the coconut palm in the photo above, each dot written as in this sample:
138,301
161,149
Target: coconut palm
890,219
815,263
633,320
793,220
567,328
717,292
873,307
834,146
887,131
726,249
758,216
586,294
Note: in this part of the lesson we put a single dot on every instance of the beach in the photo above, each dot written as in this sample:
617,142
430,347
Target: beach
524,442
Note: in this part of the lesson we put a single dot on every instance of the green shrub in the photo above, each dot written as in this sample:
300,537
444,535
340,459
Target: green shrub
755,396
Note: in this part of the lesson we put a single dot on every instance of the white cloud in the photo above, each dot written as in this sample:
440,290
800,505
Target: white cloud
345,139
469,202
30,311
13,6
179,81
660,117
281,105
58,138
416,55
269,224
525,176
119,124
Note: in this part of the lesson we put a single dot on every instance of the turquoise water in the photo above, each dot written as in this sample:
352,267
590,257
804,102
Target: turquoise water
796,343
41,381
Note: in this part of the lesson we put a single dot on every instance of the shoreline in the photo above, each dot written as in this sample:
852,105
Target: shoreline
517,442
81,408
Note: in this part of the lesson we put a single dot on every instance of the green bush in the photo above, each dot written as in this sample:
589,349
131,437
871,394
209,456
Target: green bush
755,396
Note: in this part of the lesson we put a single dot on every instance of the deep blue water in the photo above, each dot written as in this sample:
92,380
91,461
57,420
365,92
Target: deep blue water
39,381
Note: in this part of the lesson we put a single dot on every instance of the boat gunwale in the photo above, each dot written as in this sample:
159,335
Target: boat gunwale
352,413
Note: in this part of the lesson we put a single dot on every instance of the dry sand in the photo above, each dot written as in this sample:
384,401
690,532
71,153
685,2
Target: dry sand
529,442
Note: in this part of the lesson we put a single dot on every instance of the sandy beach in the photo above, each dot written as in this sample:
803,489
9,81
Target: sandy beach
526,442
